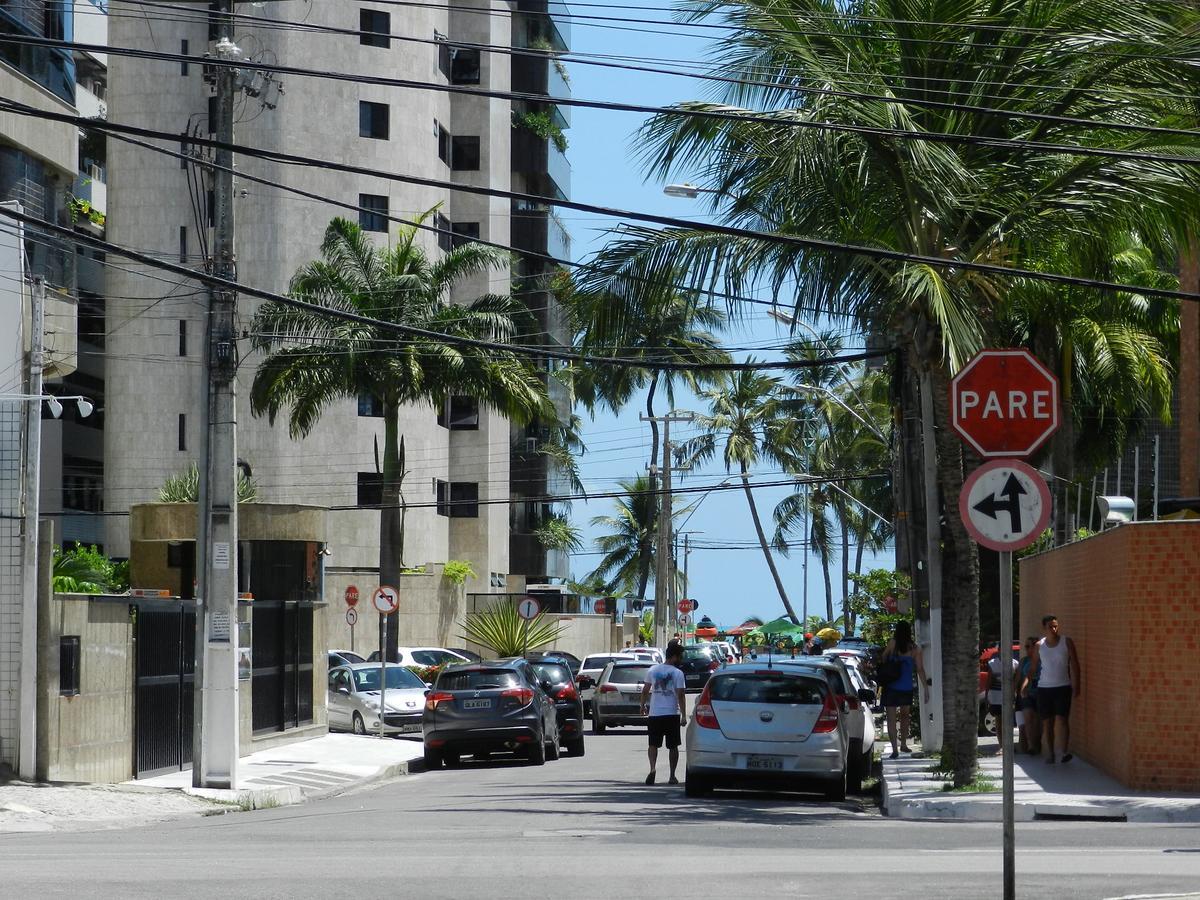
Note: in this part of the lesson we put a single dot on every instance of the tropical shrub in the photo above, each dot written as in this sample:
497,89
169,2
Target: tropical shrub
503,631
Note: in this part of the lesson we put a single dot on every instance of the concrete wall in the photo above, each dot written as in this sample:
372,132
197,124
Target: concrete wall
88,737
1127,597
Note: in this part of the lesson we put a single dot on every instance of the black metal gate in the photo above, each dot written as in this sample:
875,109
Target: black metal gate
165,648
282,685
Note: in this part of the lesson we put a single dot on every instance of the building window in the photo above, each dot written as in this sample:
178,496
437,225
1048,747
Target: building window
370,405
464,65
370,489
445,238
464,233
68,666
458,499
443,53
464,153
183,250
373,120
214,113
460,413
376,27
444,142
372,216
183,51
183,337
182,431
184,149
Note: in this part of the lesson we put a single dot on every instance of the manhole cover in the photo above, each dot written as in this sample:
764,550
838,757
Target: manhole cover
575,832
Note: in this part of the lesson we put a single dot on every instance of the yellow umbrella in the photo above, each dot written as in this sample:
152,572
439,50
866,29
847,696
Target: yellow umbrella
829,634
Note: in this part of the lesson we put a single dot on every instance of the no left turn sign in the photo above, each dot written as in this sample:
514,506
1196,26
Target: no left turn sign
386,599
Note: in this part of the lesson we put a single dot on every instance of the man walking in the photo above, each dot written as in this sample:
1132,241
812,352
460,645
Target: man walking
663,698
1058,684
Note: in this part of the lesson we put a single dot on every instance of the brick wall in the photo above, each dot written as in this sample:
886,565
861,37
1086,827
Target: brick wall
1128,598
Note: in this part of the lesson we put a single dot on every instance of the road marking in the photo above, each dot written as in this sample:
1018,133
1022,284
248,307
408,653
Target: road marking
1154,897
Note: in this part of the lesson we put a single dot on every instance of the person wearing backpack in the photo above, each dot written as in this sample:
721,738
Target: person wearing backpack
901,660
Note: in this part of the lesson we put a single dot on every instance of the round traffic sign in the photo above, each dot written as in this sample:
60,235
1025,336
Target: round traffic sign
528,608
1004,403
686,606
600,607
1005,504
351,595
386,599
352,617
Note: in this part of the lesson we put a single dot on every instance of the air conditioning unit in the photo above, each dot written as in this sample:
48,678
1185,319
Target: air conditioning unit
95,172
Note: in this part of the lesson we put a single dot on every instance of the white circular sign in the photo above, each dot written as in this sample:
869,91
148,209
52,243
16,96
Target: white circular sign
528,608
351,617
1005,504
386,599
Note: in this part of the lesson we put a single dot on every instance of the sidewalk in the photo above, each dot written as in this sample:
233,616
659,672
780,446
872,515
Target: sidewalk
1073,790
306,770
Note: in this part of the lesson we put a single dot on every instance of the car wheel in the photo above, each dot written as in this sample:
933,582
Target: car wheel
359,726
537,753
597,726
988,727
836,790
575,747
433,759
451,759
855,767
695,786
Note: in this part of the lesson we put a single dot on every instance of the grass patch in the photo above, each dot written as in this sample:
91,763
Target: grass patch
982,784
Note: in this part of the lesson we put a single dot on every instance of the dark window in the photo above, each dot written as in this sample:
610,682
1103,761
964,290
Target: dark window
477,680
184,148
213,114
464,65
460,414
464,153
443,54
183,250
443,497
214,21
68,665
175,555
555,673
379,26
370,488
210,206
444,142
373,120
464,233
182,431
464,500
373,215
370,405
445,238
183,51
183,337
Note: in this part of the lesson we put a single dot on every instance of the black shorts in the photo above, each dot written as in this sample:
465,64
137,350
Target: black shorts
893,697
1054,701
664,728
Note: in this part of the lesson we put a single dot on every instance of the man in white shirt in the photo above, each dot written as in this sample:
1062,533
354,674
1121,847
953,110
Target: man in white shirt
663,700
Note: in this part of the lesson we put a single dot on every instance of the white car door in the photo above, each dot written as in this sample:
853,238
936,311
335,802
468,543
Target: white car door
337,700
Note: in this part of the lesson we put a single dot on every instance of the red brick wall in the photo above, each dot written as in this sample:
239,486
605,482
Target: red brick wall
1130,599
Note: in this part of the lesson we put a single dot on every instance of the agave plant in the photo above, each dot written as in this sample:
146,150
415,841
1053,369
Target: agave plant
505,633
185,487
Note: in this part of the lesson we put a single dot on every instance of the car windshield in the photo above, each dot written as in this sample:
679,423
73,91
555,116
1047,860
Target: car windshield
477,680
555,673
766,688
627,674
597,662
398,678
697,653
433,657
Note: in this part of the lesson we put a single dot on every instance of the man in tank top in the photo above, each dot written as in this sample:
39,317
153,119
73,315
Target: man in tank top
1058,684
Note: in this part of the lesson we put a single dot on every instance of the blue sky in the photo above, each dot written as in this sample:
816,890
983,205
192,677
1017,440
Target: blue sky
728,583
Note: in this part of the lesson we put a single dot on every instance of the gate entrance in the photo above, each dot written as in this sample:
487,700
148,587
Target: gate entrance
164,681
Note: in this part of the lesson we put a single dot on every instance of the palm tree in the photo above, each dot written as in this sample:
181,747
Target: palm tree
871,79
315,360
629,547
751,422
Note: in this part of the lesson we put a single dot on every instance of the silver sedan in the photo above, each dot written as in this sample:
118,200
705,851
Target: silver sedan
353,699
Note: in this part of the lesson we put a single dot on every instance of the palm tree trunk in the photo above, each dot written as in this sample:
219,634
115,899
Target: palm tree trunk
762,542
858,561
645,560
391,520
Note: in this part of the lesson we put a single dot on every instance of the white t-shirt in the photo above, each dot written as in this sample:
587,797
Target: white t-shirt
996,694
664,680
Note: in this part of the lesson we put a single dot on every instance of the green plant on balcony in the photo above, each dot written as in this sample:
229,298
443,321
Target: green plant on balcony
557,532
543,125
78,208
541,43
457,571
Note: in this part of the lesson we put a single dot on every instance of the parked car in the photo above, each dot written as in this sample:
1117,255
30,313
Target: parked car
699,663
343,658
353,699
554,675
489,707
780,726
618,698
854,700
589,671
423,656
573,662
469,655
649,654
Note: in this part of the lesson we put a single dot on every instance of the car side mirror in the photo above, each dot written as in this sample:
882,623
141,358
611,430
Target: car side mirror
429,684
428,692
867,696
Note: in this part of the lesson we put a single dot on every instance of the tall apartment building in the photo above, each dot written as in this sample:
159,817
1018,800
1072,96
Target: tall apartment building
154,423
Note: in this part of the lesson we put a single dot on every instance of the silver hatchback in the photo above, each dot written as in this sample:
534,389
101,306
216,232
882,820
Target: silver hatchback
776,726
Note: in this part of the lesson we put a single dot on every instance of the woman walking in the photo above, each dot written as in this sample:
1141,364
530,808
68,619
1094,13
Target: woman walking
901,658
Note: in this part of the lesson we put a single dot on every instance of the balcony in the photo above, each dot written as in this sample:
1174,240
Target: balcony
538,230
90,186
542,163
541,75
546,21
50,67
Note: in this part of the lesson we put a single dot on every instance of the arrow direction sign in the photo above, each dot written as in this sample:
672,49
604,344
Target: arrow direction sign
1005,504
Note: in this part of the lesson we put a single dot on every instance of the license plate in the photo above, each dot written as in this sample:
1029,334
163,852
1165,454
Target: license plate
409,729
477,704
770,763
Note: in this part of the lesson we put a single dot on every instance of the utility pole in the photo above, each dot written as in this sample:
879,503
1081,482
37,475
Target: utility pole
216,612
27,704
662,575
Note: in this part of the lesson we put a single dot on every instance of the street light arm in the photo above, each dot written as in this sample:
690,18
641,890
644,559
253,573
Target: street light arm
842,403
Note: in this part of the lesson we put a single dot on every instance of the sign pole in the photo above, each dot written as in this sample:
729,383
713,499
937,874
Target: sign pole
1006,721
382,668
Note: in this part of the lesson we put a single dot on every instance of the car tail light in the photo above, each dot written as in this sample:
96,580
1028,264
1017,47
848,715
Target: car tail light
827,721
704,714
608,689
566,693
523,696
714,665
432,701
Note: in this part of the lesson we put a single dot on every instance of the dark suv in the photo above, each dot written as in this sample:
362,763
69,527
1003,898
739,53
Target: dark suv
554,675
698,665
488,707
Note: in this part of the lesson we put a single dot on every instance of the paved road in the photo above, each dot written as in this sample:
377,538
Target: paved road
587,828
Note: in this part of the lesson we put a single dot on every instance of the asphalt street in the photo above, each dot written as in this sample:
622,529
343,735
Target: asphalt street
589,828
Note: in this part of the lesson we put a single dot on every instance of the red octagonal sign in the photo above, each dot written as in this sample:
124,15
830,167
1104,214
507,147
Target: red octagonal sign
1004,403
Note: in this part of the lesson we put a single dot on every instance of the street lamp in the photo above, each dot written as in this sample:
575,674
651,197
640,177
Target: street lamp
688,190
842,403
